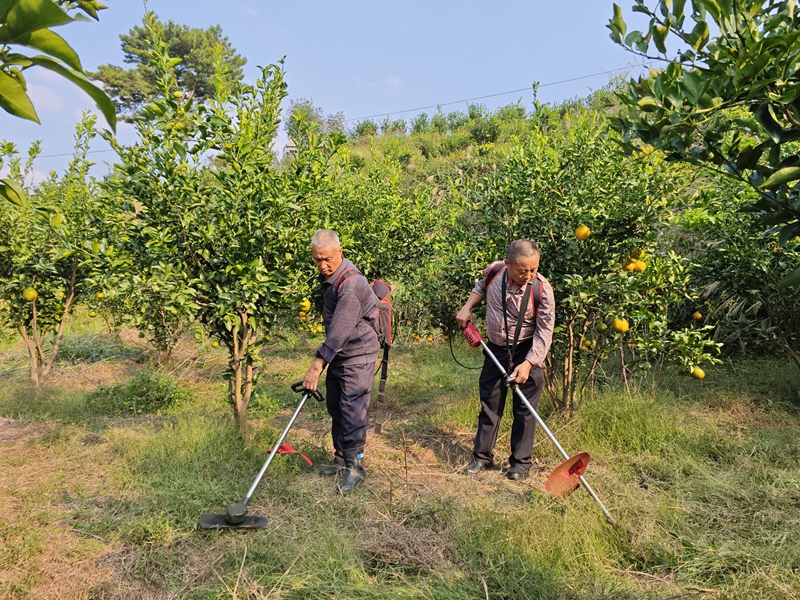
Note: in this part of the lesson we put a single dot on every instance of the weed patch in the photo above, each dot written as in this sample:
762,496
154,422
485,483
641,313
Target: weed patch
144,393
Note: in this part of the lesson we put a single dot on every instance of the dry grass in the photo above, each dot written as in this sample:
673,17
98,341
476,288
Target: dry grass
42,556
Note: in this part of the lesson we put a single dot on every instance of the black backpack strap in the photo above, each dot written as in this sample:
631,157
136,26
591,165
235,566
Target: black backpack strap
512,348
380,409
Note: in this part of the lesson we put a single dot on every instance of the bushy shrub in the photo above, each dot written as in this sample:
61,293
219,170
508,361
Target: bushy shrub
144,393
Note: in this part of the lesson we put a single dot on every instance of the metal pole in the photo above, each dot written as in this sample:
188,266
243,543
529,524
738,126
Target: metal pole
275,449
545,428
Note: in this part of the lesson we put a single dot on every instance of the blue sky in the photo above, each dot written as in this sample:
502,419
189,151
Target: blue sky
361,58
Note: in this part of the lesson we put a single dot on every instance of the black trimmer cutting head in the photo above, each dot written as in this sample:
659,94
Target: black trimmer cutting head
215,521
235,518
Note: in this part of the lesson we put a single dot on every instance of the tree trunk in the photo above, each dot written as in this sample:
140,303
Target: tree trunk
36,371
240,386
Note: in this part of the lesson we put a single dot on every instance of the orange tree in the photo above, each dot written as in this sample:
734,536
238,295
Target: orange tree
222,243
571,176
737,274
51,240
728,100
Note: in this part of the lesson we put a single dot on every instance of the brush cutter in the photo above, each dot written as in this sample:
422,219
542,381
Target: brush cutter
236,517
567,476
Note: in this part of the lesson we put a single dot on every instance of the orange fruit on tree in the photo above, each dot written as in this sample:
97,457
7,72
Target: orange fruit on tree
698,373
619,325
639,266
637,253
29,294
628,266
582,233
697,315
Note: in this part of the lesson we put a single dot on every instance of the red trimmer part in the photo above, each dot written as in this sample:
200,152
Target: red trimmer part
566,477
472,335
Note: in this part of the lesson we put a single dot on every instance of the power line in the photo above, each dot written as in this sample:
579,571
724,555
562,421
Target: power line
541,85
72,153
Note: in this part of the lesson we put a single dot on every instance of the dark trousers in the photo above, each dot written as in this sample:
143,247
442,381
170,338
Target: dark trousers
493,390
347,392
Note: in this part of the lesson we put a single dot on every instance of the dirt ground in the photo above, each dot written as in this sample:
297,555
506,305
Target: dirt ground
39,483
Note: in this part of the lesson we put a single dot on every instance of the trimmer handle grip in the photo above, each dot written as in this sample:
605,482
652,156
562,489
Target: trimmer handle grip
298,388
472,335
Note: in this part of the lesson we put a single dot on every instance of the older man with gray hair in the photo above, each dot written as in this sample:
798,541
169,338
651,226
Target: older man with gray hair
520,315
350,351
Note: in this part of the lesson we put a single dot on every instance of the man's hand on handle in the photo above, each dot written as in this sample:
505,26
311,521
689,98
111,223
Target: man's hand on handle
521,373
311,378
464,316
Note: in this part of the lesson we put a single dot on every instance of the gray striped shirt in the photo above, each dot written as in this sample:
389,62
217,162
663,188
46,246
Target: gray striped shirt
539,328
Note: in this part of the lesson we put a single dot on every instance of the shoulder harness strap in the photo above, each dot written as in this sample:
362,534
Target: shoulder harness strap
494,270
340,282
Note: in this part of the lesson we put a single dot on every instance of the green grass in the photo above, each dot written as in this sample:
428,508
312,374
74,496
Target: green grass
704,474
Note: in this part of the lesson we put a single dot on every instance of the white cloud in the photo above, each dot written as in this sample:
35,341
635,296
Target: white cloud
394,81
46,99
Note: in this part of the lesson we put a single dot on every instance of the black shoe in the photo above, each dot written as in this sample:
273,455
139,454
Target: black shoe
354,473
330,470
336,467
518,472
475,467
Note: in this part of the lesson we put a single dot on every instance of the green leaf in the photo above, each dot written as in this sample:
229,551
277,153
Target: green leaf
770,125
103,102
748,158
53,44
791,280
617,25
647,103
782,176
31,15
659,37
11,191
14,99
693,84
699,36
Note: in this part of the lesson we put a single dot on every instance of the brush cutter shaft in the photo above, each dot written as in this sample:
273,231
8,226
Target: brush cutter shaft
544,427
275,447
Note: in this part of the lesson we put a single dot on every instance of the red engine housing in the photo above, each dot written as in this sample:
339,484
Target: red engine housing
472,335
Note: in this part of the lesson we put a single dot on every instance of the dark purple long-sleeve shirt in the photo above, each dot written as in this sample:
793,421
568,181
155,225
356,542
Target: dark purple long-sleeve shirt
349,316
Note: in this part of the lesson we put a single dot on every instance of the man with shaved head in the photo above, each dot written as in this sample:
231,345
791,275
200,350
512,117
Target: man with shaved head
350,351
520,314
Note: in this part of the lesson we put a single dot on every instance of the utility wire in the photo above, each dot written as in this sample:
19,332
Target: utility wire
71,153
541,85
